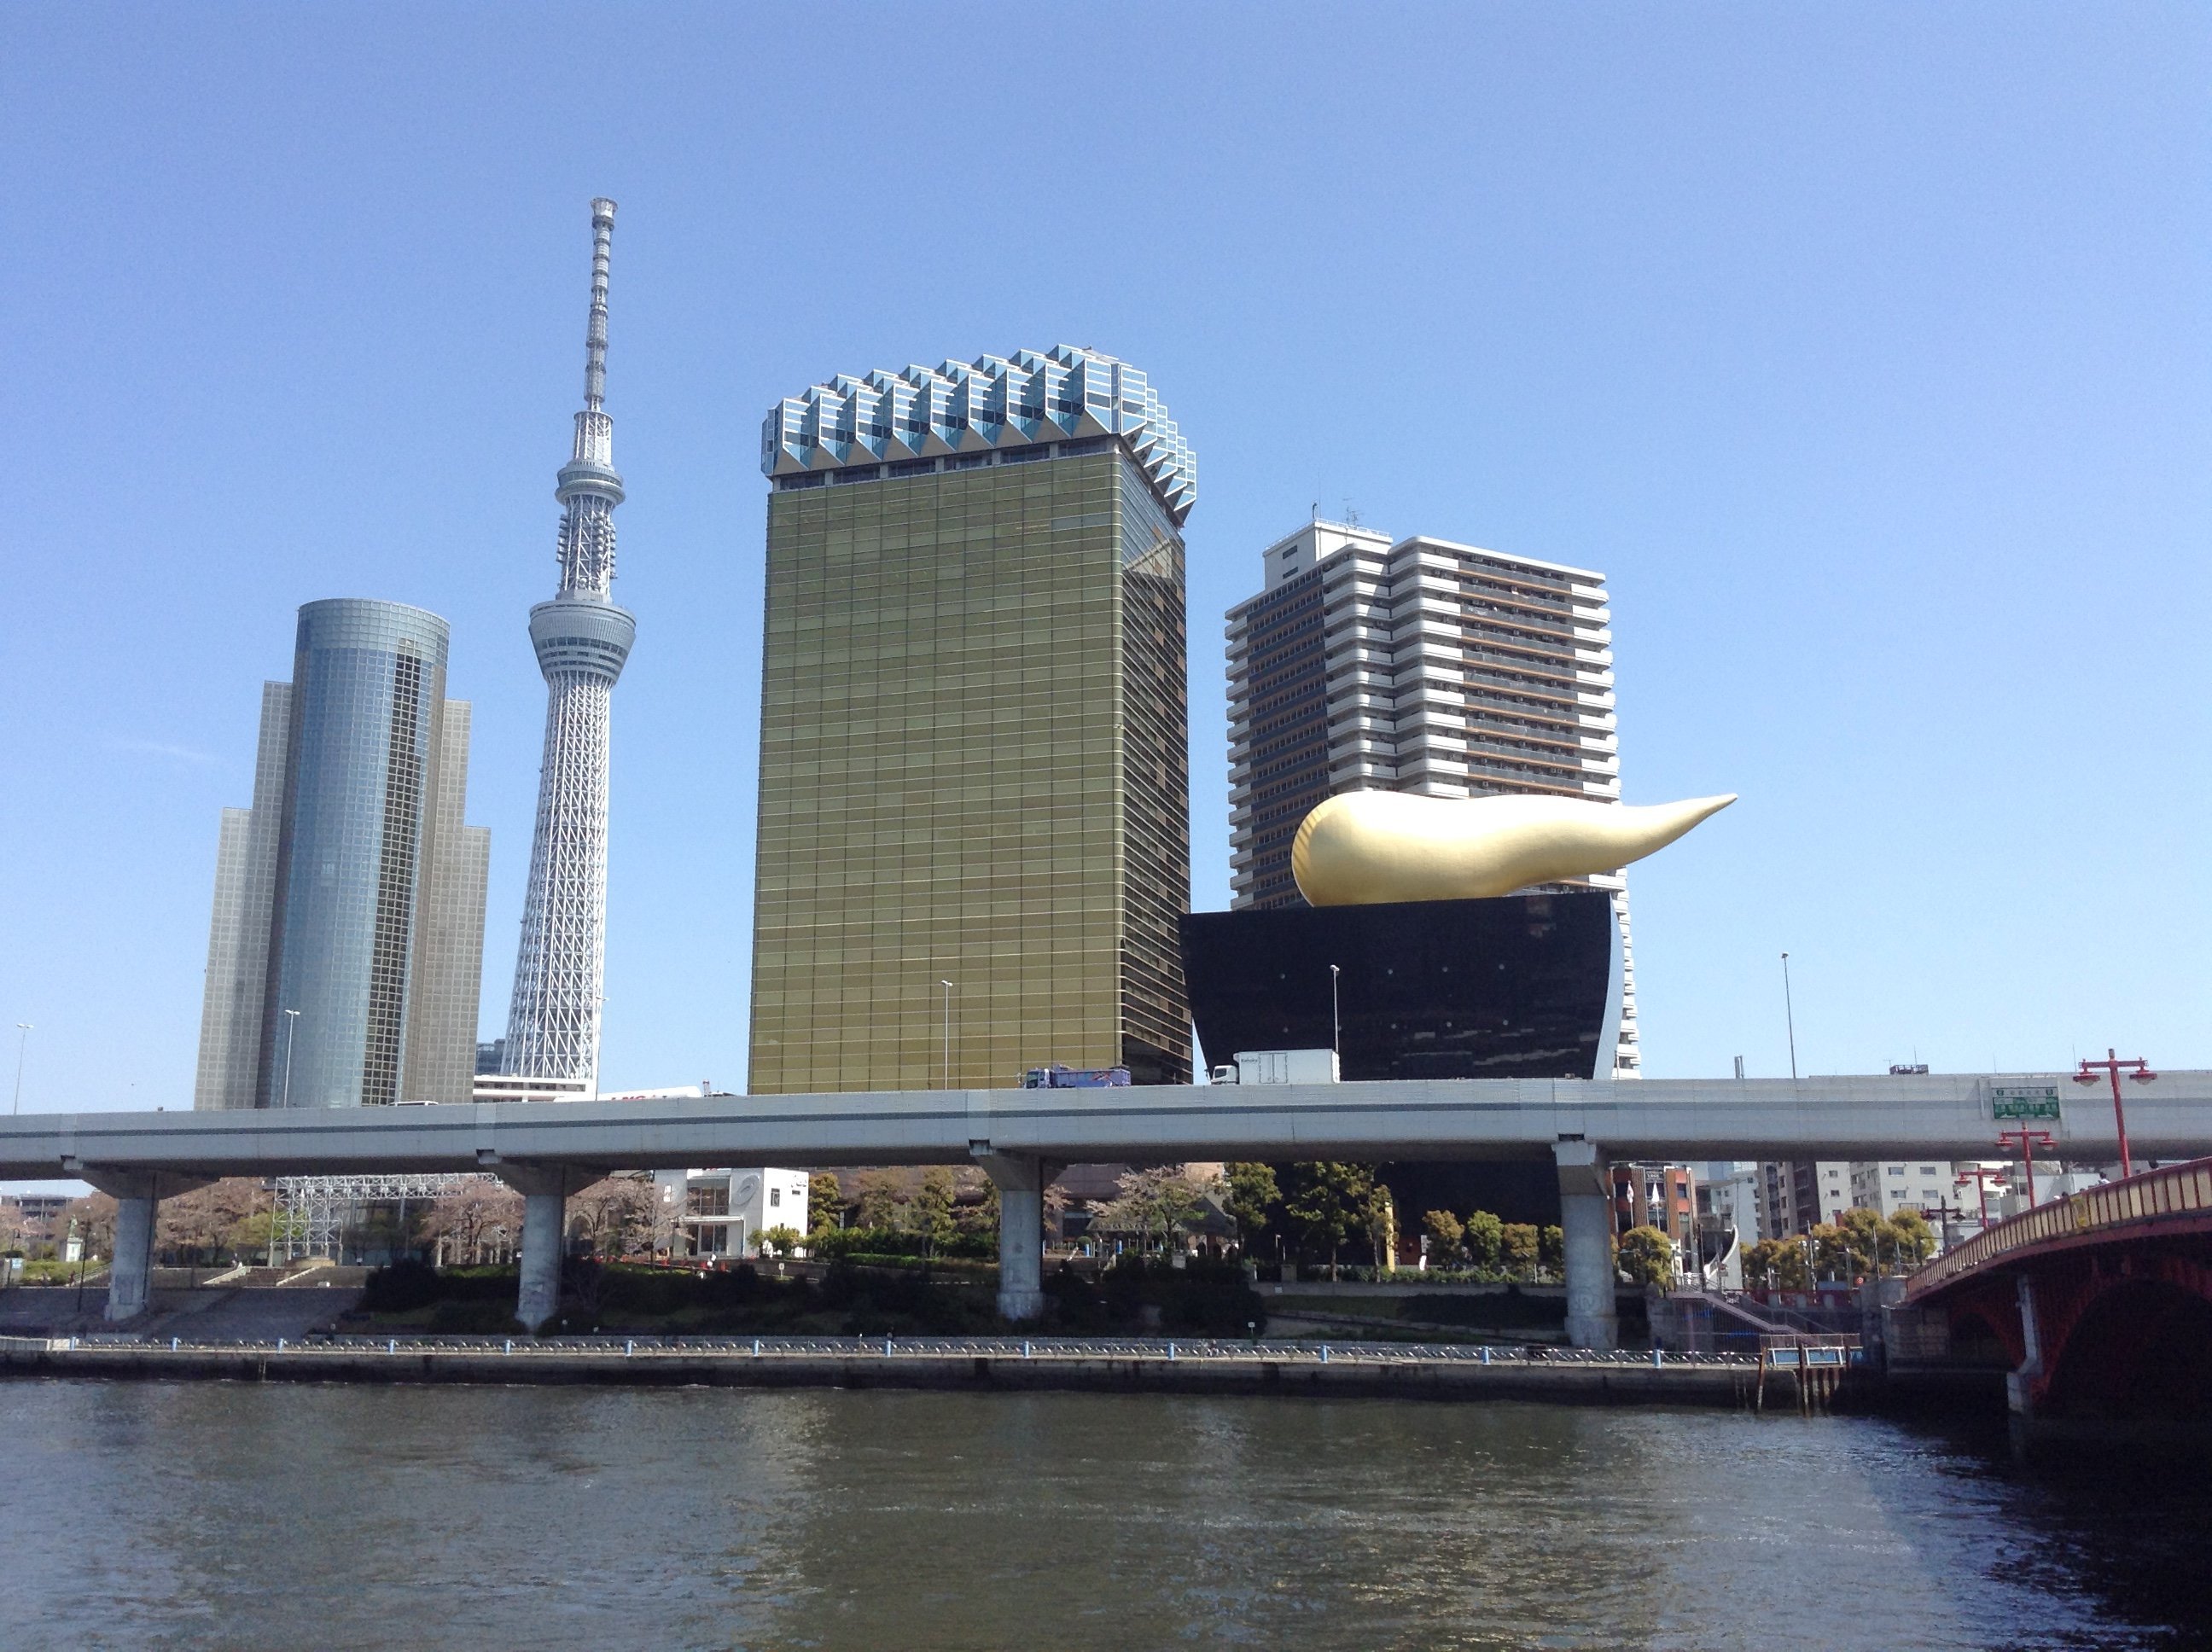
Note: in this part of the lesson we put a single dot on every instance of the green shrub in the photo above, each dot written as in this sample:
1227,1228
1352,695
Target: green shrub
474,1319
401,1286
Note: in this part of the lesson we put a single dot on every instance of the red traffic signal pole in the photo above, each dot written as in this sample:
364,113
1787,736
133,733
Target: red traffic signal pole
2028,1140
2113,1065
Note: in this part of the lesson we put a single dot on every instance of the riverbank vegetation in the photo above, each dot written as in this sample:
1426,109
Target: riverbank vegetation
911,1297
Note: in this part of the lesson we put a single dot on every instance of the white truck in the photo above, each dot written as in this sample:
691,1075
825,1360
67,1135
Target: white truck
1278,1067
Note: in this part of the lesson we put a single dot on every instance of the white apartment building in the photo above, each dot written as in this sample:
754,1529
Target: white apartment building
1415,665
1904,1185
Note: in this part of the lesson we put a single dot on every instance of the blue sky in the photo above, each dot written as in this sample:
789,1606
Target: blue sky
1865,346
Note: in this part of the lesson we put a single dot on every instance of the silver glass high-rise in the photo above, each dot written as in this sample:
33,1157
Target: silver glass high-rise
347,945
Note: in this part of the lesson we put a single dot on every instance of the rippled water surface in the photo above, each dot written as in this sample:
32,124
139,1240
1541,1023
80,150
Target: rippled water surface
282,1516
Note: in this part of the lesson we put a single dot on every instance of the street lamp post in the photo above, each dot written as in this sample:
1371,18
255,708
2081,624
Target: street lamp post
947,986
1946,1214
2029,1140
21,1045
1335,1022
1980,1175
291,1026
1789,1013
2111,1065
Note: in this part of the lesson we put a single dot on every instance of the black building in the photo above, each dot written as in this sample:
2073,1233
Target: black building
1521,986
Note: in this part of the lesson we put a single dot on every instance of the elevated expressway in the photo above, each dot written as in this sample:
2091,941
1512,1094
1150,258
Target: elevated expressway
548,1149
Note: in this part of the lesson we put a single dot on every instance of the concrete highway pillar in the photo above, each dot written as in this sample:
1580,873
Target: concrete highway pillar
544,1191
138,1195
1021,1181
2023,1388
133,1260
1586,1225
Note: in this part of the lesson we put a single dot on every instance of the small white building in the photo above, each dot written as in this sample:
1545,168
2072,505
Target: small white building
725,1211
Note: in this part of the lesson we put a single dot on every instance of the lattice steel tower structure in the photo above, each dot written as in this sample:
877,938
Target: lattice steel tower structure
582,640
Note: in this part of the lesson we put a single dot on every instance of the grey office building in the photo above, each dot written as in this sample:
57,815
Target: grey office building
347,946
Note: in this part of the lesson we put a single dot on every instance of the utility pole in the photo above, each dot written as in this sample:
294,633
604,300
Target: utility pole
2111,1065
22,1046
1789,1010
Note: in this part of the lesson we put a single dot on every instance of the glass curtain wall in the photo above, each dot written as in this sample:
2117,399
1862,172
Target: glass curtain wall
973,771
368,682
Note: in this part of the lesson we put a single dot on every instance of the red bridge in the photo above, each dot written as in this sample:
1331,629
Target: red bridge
2097,1307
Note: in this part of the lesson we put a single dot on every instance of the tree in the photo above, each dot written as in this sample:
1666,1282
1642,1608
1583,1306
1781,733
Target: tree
1863,1239
1914,1239
780,1240
1254,1197
1382,1227
825,1203
933,1206
880,1196
257,1236
1484,1238
1161,1199
1326,1204
1646,1256
92,1218
1552,1251
977,1213
199,1224
615,1214
1831,1253
472,1216
1521,1247
1445,1232
1778,1264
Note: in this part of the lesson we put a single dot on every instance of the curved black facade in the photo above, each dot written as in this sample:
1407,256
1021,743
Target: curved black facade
1521,986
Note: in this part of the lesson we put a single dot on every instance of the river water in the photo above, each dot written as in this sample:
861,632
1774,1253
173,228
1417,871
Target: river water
280,1516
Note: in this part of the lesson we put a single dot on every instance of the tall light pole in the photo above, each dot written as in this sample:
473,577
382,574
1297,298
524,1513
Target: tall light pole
1335,1022
1980,1175
291,1026
1790,1011
2028,1141
2111,1063
22,1045
947,986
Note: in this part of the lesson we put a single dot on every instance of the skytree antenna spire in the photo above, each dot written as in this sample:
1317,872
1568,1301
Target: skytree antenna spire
582,641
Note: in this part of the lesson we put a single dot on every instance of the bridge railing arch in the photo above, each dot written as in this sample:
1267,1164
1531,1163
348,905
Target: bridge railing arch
2171,1190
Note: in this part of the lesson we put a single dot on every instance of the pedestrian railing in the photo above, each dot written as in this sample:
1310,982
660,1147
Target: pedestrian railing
2171,1190
619,1347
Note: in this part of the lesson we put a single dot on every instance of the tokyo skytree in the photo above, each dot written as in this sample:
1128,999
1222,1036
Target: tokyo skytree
582,640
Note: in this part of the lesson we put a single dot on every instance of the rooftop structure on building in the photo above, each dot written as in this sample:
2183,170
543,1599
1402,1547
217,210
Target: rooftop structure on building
1415,665
964,415
973,830
346,946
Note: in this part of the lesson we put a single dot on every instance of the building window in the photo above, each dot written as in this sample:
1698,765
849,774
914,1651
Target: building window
776,1196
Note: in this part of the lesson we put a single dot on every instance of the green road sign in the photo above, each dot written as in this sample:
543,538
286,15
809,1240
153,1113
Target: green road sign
2037,1102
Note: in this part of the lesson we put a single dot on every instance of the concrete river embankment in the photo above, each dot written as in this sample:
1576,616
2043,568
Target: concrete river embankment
1097,1365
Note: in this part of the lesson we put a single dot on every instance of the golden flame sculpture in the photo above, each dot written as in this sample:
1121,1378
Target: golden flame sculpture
1363,848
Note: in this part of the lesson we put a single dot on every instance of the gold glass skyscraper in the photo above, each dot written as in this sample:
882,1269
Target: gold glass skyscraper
973,750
